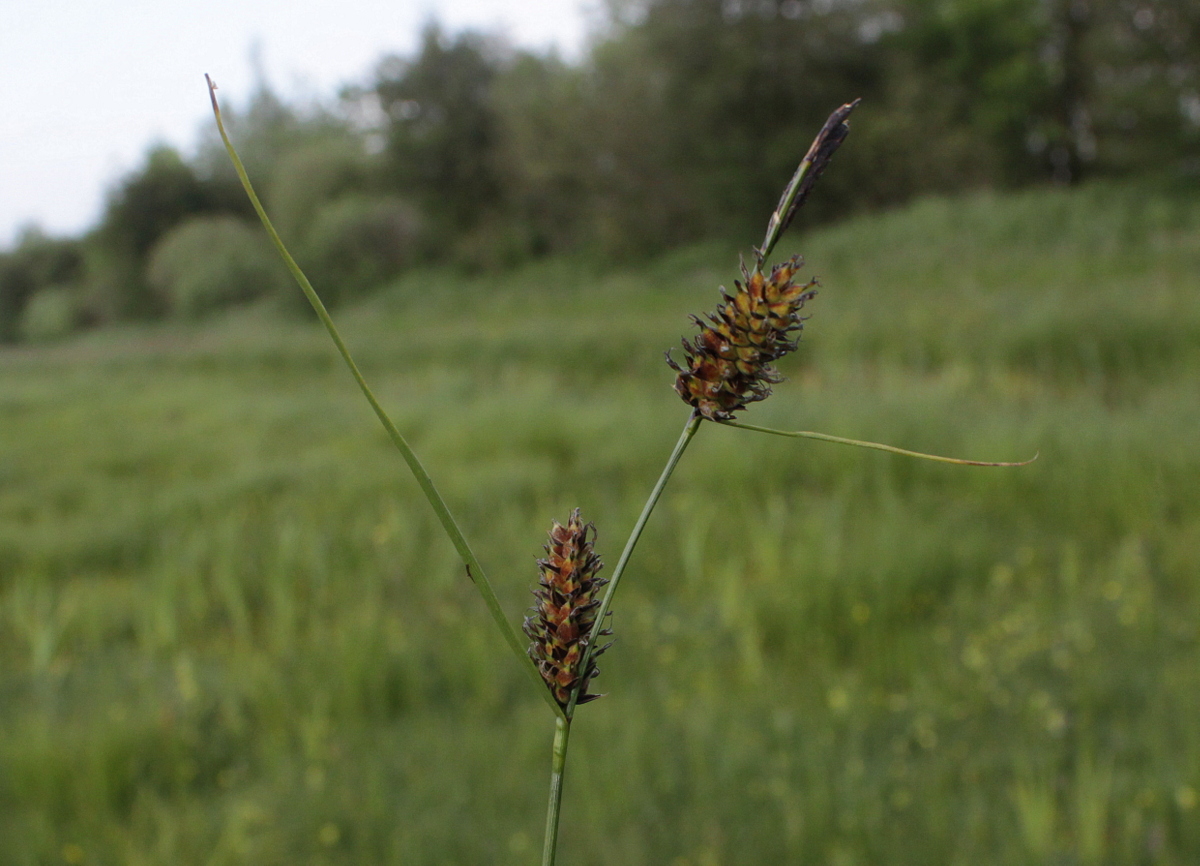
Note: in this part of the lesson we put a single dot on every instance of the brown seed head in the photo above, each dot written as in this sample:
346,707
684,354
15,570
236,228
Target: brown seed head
728,364
560,623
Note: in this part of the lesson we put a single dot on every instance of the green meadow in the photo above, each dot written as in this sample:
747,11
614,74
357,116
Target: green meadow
232,632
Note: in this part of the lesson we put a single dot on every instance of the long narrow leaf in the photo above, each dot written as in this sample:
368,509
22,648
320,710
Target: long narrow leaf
859,443
473,568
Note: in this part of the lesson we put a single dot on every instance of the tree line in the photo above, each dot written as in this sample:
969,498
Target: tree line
681,121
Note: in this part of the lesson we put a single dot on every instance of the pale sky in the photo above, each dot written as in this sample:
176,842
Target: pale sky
88,85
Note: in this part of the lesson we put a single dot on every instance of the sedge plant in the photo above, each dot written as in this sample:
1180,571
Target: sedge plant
728,365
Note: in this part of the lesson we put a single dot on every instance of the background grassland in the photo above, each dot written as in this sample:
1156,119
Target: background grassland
233,633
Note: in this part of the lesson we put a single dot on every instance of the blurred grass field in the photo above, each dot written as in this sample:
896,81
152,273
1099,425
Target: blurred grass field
231,631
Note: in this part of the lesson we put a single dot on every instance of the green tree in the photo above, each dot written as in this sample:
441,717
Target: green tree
442,127
267,130
1063,88
988,64
543,150
694,111
151,200
1138,109
143,207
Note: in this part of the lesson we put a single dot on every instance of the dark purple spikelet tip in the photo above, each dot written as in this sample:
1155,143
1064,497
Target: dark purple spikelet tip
561,621
729,363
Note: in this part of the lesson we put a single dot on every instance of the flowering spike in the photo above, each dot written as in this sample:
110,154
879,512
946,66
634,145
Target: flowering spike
728,364
561,621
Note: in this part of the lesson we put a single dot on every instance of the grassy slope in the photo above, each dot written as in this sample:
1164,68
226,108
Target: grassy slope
232,632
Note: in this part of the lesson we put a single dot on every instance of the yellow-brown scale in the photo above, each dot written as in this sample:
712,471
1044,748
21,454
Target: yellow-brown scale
728,365
560,623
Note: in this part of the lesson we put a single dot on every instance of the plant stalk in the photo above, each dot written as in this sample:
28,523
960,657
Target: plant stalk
558,764
811,166
562,730
685,437
474,569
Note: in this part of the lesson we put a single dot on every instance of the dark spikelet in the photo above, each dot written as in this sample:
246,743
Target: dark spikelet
728,365
828,140
560,623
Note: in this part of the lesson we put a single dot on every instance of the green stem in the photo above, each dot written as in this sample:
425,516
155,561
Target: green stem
685,437
858,443
558,764
474,569
562,730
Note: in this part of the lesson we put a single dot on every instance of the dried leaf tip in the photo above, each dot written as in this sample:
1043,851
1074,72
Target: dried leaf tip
562,620
828,140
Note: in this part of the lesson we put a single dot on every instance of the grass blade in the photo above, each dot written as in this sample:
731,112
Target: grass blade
859,443
474,570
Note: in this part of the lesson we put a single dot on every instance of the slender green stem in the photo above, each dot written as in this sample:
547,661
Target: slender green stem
474,569
562,730
558,764
685,437
810,168
858,443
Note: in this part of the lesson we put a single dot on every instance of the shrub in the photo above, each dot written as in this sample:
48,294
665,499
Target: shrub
51,314
309,177
209,263
37,263
358,242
